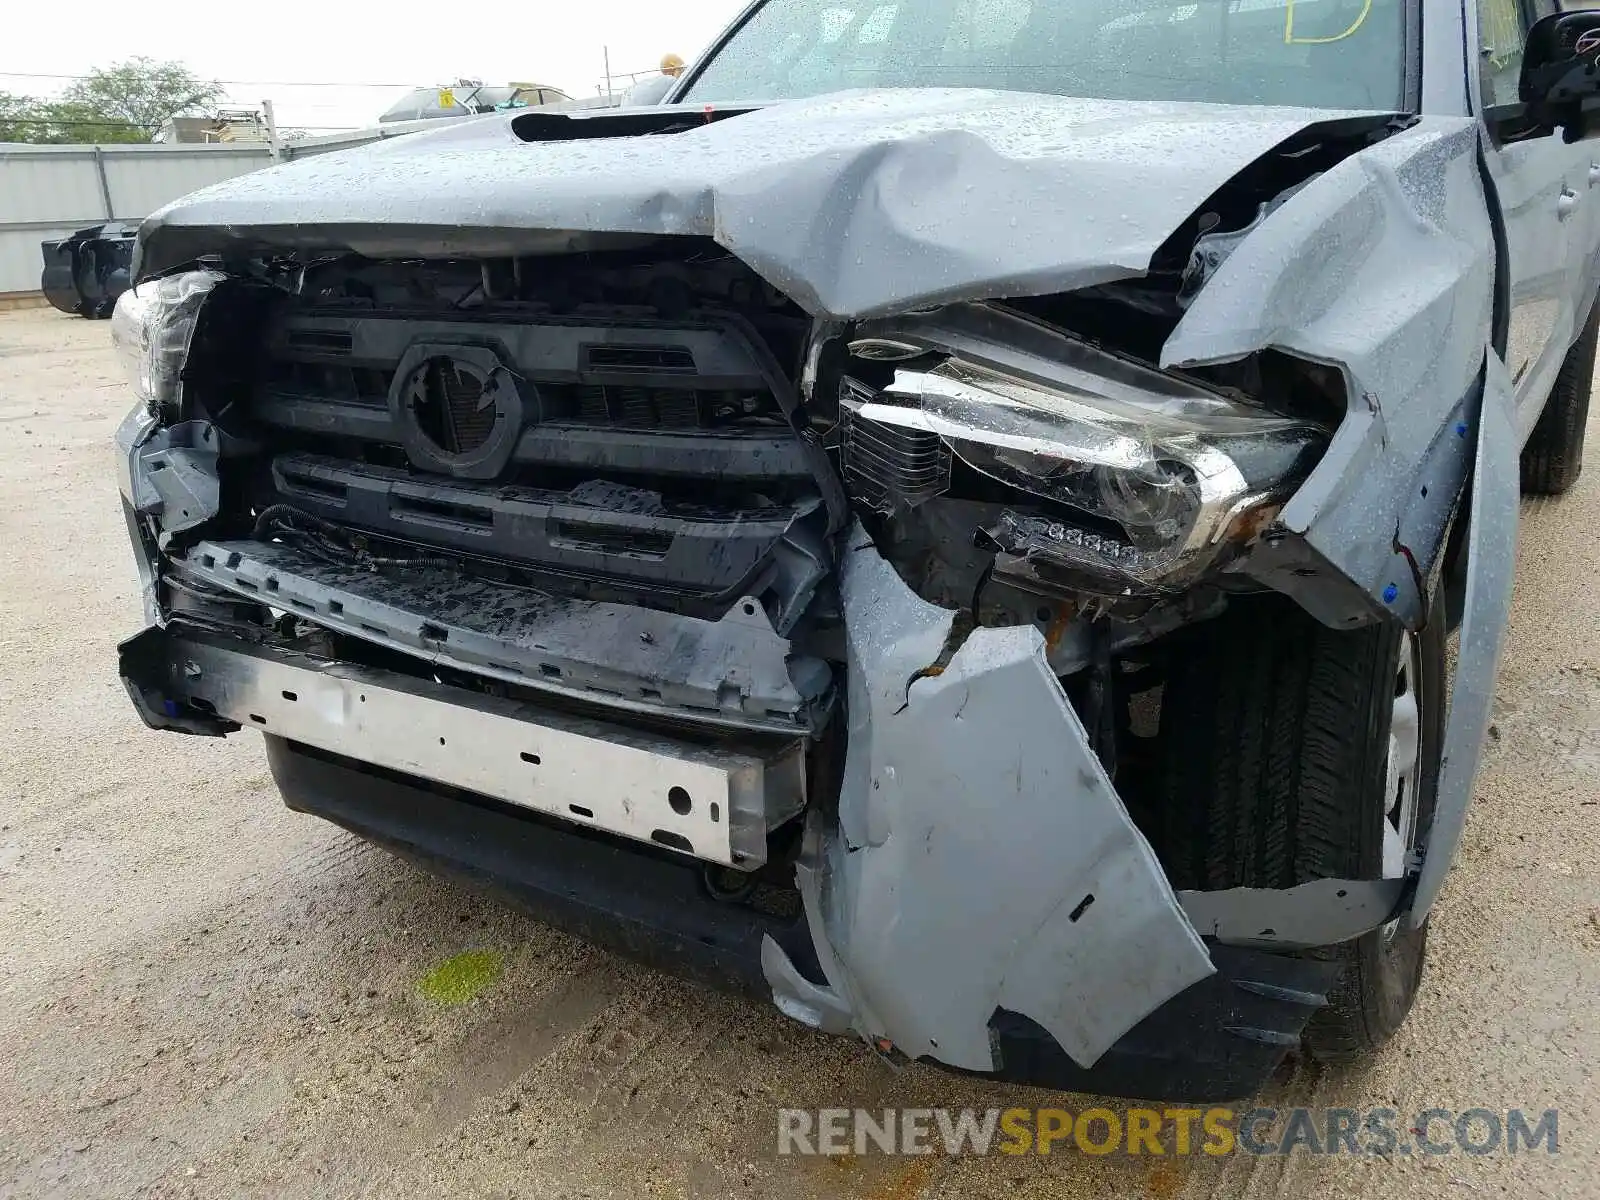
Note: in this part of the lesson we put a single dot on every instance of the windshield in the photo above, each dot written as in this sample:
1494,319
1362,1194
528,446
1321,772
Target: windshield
1316,53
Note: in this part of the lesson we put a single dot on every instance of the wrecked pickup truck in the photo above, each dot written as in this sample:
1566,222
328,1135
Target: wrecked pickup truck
949,523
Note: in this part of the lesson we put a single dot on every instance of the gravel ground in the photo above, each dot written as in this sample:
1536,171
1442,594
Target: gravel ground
205,994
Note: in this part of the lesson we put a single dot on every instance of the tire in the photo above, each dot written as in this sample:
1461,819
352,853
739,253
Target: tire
1552,459
1274,752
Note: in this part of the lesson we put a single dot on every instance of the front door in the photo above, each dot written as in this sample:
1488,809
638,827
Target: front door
1545,196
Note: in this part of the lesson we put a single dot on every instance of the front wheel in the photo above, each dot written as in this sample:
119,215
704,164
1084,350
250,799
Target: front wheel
1292,752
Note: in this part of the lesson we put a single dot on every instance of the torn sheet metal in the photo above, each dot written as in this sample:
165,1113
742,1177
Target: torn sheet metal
854,204
982,859
179,463
1491,566
1319,279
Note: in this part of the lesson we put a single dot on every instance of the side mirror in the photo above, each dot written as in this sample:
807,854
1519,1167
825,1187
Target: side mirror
1560,82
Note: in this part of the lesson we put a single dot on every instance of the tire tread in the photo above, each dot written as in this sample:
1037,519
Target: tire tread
1552,459
1272,747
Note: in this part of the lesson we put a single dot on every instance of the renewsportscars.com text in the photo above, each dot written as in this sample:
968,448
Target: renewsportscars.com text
1166,1131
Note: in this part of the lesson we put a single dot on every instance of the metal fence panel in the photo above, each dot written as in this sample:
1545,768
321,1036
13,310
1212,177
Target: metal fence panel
140,183
47,192
57,188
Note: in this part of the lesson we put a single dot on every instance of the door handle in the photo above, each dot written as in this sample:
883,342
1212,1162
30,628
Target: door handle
1594,173
1566,203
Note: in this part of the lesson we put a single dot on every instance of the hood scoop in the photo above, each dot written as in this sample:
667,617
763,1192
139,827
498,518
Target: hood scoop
638,122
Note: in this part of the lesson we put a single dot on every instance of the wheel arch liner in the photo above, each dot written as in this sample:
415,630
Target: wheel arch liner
981,859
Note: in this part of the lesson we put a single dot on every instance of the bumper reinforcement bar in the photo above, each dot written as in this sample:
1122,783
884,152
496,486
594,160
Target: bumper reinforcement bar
711,802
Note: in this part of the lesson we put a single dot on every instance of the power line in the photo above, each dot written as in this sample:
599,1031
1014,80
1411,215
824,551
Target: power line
230,82
55,123
100,123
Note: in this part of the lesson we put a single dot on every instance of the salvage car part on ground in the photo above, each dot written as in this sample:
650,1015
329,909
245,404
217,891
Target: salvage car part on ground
85,274
972,566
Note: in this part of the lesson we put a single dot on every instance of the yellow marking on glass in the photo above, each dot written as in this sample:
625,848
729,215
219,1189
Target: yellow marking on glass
1289,38
461,977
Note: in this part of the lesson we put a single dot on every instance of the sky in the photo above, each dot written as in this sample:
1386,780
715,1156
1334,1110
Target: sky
269,47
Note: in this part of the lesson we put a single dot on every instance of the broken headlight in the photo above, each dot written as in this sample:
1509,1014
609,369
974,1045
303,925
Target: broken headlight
1142,474
151,328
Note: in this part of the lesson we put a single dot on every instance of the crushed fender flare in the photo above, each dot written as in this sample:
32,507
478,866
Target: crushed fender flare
1364,532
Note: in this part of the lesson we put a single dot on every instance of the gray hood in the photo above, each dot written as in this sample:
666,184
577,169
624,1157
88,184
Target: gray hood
855,204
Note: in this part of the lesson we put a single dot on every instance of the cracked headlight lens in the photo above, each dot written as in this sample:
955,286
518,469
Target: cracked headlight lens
1157,465
151,328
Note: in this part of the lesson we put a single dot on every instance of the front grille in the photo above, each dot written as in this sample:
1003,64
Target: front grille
651,544
636,407
594,530
572,381
606,405
330,381
649,359
324,341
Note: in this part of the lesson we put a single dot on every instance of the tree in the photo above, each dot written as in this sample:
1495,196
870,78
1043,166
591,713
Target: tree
144,92
75,121
14,112
126,102
28,119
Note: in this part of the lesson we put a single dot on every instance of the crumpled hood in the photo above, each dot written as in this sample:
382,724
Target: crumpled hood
855,204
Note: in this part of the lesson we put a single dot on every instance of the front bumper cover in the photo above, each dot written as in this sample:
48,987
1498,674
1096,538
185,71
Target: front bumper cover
981,886
981,859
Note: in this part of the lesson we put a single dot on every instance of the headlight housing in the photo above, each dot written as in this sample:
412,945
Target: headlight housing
151,329
1143,473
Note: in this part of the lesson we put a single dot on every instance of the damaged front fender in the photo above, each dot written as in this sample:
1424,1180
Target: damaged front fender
1383,267
1407,317
981,859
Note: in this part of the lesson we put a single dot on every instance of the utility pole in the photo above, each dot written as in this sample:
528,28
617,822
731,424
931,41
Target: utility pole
273,141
